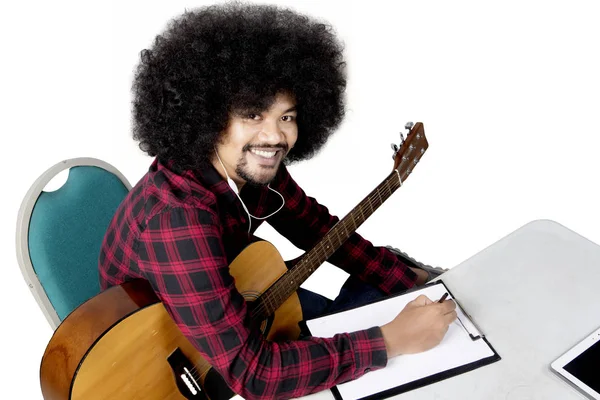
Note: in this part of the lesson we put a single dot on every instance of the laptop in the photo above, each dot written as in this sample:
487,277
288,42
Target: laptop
580,366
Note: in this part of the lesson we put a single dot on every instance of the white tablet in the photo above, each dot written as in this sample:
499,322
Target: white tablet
580,366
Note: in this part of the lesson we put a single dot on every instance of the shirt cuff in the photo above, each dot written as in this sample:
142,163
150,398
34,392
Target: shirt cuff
370,353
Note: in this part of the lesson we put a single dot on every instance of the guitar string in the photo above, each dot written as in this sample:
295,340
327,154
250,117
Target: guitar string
389,184
356,218
276,296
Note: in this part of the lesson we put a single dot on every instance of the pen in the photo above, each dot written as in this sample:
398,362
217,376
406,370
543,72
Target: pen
443,298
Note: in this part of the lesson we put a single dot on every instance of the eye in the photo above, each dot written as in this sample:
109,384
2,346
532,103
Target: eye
253,116
288,118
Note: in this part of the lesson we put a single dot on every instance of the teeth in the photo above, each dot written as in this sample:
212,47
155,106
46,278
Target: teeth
266,154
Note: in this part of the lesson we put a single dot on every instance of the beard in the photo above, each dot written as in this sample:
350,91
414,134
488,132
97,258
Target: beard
255,179
264,174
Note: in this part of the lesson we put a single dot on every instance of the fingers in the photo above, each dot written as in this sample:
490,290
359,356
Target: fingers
447,306
449,317
422,300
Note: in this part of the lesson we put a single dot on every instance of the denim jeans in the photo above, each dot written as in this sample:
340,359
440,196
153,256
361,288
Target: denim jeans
353,293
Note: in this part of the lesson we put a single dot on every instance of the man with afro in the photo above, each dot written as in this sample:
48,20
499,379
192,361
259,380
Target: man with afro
226,97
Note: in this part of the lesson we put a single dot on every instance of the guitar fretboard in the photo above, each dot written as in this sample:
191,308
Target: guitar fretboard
289,282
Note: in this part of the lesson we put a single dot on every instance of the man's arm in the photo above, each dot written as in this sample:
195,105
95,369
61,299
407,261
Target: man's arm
303,221
182,256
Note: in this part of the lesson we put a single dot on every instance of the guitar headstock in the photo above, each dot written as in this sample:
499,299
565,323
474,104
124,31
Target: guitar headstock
410,151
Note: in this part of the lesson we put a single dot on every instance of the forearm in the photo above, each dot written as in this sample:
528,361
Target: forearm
303,221
374,265
272,370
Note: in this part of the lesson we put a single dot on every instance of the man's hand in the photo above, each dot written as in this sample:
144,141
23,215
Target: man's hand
420,326
422,276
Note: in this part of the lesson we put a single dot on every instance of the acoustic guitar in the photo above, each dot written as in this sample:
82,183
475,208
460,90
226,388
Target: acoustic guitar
123,345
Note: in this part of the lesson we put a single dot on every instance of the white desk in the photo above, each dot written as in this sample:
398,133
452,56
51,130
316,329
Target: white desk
534,294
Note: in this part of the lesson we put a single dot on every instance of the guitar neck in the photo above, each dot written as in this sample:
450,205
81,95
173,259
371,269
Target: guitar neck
406,157
289,282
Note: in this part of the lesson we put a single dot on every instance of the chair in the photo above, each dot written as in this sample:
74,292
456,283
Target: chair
59,233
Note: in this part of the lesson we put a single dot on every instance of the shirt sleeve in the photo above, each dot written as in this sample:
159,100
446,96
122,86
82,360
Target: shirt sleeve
303,221
181,254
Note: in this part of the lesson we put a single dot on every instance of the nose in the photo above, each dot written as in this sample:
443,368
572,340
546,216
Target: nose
271,132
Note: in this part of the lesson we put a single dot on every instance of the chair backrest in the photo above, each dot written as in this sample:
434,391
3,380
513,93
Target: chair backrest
59,233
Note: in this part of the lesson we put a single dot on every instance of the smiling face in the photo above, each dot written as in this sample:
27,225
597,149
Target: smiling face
254,144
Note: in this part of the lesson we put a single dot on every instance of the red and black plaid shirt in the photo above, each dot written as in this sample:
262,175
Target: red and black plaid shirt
180,230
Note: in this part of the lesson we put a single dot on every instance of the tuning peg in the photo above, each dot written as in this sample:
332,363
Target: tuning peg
409,125
401,139
395,148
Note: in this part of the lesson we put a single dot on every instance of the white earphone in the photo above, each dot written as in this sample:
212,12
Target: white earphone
234,187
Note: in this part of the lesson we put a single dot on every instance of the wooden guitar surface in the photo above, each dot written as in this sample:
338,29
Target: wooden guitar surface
115,345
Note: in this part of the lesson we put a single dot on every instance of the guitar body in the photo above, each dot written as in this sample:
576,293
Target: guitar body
117,345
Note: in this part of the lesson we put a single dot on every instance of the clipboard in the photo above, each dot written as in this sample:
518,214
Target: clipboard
465,334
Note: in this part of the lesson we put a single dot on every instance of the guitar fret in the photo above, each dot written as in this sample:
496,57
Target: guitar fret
374,199
338,237
363,211
318,252
270,305
368,206
290,282
277,293
363,208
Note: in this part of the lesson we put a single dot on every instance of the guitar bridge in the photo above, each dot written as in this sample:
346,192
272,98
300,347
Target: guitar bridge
187,379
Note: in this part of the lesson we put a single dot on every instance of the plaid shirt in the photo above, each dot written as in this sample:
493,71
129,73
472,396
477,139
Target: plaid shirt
179,230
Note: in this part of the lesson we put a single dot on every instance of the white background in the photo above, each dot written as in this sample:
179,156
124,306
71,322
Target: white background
509,95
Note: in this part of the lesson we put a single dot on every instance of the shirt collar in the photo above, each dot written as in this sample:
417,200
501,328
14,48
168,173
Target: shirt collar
255,198
207,177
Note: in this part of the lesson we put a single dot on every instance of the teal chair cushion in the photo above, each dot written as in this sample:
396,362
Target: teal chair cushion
66,230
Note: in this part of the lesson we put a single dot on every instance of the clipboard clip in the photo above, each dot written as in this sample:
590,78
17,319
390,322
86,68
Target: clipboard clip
473,330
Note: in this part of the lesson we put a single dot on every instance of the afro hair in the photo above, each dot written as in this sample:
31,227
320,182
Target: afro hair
214,61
